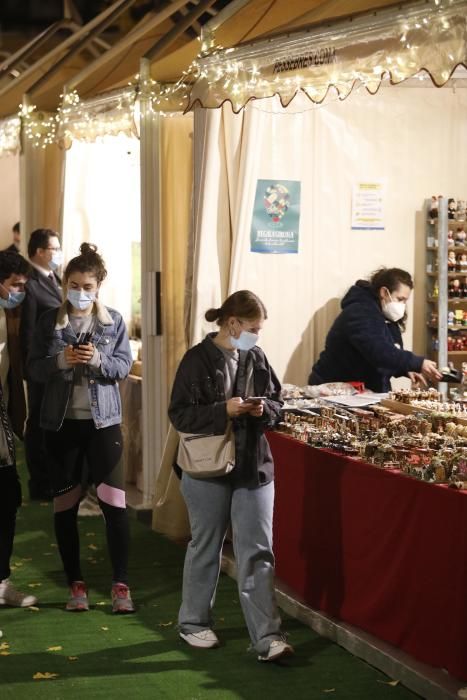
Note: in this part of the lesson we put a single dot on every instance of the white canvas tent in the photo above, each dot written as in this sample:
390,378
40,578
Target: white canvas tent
405,136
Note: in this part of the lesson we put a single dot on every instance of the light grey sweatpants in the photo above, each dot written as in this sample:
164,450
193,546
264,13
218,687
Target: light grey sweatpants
212,504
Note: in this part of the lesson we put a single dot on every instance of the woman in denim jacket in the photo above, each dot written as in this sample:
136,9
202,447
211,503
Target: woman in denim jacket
81,351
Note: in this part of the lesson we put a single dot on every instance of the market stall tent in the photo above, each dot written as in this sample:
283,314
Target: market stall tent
404,138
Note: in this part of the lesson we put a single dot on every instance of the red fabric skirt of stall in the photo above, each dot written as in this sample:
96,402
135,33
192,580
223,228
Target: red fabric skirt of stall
374,548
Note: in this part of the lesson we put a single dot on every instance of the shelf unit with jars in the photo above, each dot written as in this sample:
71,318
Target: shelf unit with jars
446,268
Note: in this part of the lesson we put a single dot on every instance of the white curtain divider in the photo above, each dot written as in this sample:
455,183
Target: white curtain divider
410,138
102,206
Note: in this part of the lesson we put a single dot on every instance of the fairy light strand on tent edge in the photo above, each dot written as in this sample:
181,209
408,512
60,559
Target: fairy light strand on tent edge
75,120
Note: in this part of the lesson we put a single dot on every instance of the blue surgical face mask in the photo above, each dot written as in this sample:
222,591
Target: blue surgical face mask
245,341
79,299
14,299
57,260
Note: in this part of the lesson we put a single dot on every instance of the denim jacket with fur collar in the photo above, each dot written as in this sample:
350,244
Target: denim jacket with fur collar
52,334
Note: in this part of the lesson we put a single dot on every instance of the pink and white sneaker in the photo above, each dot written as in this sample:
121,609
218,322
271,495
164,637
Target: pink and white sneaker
78,600
121,599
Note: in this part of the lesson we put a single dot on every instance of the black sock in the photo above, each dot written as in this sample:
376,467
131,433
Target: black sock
66,532
118,538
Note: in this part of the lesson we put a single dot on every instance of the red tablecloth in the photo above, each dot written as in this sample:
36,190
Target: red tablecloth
377,549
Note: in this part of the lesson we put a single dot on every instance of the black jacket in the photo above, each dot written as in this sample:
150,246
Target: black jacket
198,405
41,295
363,346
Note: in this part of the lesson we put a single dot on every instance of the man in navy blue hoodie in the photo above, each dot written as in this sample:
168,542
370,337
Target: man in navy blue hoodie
364,343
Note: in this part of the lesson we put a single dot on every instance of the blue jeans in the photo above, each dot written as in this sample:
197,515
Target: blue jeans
212,504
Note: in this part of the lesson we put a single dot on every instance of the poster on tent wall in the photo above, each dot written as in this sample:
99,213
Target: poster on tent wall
368,206
276,217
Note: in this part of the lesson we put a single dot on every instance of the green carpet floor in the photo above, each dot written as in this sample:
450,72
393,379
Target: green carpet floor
97,655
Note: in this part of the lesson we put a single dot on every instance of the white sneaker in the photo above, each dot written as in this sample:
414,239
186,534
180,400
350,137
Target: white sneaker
10,596
204,639
277,648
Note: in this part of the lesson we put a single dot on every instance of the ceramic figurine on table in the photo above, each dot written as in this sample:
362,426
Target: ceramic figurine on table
451,261
433,210
463,262
451,208
461,235
451,318
456,288
451,242
460,212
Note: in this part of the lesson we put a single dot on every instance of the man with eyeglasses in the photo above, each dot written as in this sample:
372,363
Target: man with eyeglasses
43,292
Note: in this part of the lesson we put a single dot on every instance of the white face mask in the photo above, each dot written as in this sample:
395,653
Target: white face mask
56,260
393,310
245,341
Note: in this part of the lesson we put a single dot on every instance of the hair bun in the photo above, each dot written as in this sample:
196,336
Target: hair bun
212,315
88,249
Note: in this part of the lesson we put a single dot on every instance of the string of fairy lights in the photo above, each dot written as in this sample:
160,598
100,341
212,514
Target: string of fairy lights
235,75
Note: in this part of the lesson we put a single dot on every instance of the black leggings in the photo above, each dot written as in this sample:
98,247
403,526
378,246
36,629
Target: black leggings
78,444
10,500
116,524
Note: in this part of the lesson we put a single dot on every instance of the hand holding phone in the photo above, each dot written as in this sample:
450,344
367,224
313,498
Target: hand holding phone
83,339
255,400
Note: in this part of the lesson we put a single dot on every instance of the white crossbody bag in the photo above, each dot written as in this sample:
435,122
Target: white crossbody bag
205,456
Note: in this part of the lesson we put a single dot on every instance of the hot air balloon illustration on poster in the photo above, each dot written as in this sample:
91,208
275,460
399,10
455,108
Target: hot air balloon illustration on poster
276,217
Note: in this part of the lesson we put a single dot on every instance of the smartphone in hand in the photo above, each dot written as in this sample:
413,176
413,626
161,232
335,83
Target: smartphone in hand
256,400
83,339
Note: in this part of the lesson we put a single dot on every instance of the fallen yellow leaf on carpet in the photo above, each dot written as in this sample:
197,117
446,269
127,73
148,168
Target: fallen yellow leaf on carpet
4,645
47,554
26,558
33,608
44,504
34,585
90,534
165,624
92,546
106,629
5,653
393,683
101,602
44,676
73,658
57,648
329,690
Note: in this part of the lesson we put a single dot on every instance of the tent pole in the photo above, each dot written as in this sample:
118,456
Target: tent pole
154,381
145,25
161,46
116,10
28,49
58,50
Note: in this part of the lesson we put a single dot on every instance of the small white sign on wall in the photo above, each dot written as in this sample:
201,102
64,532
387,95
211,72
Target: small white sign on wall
368,200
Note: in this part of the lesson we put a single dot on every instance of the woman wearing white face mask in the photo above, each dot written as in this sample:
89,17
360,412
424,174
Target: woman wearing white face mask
208,396
80,351
364,343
